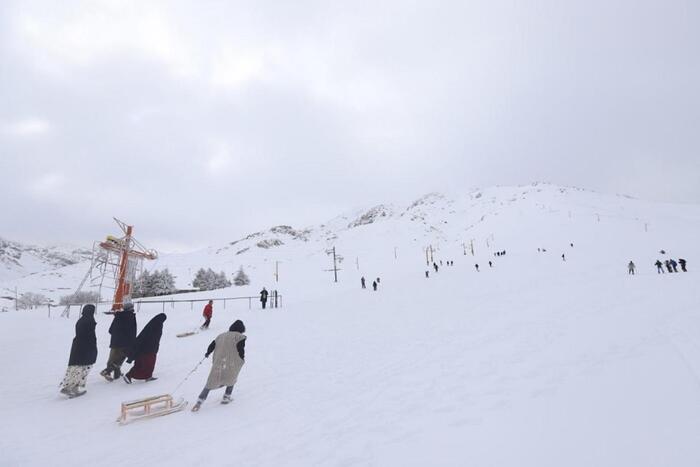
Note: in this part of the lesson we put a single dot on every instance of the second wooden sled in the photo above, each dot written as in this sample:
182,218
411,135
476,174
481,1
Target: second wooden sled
150,407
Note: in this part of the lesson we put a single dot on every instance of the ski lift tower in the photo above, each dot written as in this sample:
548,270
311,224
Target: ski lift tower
116,260
130,254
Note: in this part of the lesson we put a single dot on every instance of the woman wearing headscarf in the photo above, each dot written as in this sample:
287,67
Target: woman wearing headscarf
143,352
83,354
123,332
229,357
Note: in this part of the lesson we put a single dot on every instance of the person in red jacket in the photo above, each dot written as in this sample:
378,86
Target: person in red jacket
208,310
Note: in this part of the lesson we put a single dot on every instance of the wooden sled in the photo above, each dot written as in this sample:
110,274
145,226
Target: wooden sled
185,334
149,407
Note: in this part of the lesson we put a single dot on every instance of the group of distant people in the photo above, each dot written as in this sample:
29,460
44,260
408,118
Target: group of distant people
671,265
375,283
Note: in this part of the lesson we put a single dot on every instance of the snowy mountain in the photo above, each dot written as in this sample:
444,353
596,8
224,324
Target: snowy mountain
18,260
552,355
541,214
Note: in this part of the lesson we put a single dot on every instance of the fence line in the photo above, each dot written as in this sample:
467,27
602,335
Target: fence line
273,301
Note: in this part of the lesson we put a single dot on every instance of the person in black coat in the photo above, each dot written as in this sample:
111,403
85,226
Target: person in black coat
123,332
145,349
263,297
83,354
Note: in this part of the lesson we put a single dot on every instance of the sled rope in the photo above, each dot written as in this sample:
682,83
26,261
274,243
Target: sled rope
188,375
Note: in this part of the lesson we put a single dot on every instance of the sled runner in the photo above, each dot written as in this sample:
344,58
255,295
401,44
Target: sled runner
149,407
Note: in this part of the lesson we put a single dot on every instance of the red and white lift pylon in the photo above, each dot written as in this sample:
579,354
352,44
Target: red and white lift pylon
116,260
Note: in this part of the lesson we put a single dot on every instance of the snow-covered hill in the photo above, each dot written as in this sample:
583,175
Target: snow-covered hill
535,361
18,260
541,215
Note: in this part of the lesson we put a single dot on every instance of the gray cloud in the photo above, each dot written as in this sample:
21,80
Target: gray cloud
199,122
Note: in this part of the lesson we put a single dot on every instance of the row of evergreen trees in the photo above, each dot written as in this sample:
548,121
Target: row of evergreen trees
210,280
151,284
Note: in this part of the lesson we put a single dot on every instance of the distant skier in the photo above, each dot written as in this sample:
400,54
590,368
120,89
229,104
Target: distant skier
435,266
83,354
123,331
563,257
630,268
362,281
682,262
427,274
207,313
477,267
263,297
374,285
379,280
490,264
668,266
145,350
659,267
674,265
440,262
227,362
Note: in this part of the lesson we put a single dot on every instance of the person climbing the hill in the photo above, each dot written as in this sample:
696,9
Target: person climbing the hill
207,313
362,281
123,332
228,360
682,262
374,285
659,267
145,350
674,265
477,267
83,354
667,263
630,268
263,297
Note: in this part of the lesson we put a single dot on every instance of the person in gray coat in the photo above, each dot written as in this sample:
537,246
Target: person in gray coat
229,356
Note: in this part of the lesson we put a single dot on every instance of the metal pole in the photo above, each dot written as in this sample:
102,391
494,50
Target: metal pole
335,267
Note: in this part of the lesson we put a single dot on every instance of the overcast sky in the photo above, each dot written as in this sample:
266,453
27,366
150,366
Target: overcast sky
201,121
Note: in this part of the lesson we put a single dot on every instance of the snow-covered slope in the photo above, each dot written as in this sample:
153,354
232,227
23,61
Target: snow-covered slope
535,361
18,260
541,215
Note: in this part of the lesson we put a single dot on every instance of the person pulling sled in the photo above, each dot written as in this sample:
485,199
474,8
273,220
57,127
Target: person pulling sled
228,360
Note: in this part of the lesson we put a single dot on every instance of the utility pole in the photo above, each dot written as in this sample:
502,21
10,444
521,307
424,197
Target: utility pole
395,253
277,271
427,258
432,258
357,262
335,263
471,245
